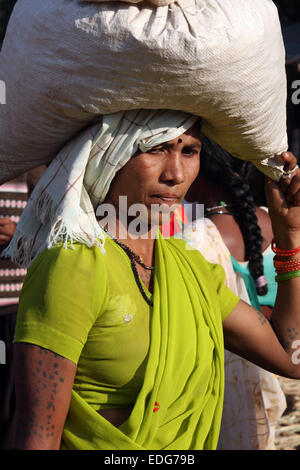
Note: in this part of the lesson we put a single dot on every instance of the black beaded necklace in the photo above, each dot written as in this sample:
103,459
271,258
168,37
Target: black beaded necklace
132,254
134,258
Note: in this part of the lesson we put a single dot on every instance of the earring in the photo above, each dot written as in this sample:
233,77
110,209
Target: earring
180,141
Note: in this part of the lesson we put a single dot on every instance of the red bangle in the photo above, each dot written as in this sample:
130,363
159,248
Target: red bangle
284,252
289,269
283,266
289,262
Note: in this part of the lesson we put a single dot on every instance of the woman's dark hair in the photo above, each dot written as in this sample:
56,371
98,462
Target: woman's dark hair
237,176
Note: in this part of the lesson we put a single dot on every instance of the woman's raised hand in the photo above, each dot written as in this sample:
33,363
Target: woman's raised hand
284,204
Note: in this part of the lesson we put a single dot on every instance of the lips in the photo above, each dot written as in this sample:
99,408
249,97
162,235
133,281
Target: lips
166,198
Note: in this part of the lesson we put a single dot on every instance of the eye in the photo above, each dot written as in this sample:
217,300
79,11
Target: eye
156,150
190,152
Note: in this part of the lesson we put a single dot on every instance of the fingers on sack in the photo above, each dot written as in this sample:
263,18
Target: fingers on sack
290,161
290,164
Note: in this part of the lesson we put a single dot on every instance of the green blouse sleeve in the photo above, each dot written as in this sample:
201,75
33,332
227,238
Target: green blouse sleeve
227,299
64,292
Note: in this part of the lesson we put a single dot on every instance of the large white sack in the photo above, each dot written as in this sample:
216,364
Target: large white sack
159,3
65,62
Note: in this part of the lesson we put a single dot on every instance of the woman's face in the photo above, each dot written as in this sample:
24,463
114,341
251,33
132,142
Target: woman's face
161,176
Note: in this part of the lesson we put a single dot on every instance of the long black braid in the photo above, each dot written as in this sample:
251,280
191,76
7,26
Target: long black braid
237,176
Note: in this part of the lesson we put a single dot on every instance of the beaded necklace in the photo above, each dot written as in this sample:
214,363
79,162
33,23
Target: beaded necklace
133,259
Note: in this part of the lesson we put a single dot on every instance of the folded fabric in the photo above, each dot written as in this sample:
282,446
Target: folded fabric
63,204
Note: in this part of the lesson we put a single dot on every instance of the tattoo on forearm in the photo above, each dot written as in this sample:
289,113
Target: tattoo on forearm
48,377
261,317
287,337
291,335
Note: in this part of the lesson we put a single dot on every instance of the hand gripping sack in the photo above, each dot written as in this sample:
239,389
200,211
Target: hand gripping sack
65,62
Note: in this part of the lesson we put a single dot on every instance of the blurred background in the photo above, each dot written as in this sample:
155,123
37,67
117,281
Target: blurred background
289,12
6,7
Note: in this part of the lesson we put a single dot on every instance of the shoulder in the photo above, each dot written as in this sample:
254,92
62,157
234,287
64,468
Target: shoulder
265,225
69,260
59,272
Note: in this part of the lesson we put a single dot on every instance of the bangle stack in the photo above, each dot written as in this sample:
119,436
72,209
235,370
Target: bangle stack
286,268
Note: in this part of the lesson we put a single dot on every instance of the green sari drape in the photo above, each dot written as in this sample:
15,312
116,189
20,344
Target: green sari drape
179,406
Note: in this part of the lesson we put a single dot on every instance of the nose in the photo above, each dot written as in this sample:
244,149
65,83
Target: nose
173,171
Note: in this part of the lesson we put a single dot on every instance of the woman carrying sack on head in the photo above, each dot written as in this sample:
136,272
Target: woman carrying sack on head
119,338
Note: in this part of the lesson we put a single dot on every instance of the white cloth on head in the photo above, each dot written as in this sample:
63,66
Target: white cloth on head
62,206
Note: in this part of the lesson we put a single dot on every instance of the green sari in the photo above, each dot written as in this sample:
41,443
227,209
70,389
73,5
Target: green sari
179,406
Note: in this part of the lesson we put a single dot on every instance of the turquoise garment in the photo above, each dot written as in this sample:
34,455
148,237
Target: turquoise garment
249,282
259,300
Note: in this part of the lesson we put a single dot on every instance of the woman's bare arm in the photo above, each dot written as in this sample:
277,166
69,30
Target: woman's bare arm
44,382
248,333
274,345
